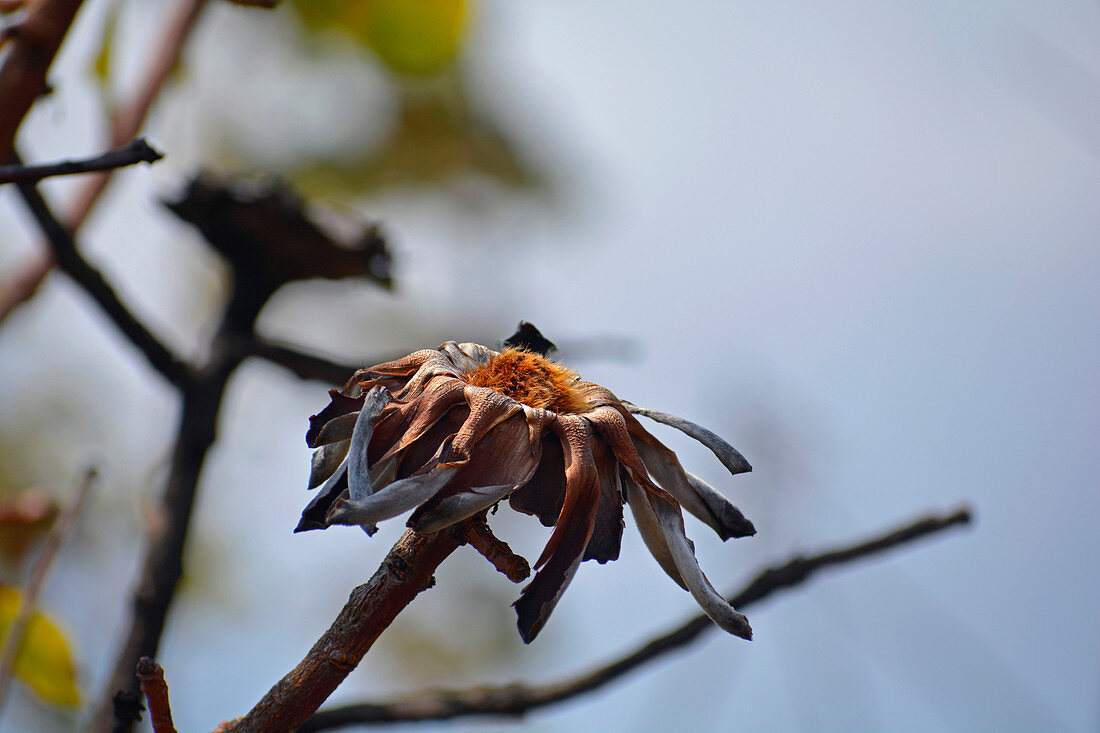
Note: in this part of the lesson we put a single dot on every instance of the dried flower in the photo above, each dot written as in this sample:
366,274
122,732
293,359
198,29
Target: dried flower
451,431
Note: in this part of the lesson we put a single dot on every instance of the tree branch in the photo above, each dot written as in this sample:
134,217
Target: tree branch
372,607
94,284
515,700
301,364
34,43
155,688
125,125
137,151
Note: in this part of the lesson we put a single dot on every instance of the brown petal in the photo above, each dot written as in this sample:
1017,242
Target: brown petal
730,457
500,462
437,366
728,515
467,356
337,429
487,408
544,492
566,546
417,416
338,405
607,535
611,423
404,366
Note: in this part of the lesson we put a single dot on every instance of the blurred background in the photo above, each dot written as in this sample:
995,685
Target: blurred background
857,239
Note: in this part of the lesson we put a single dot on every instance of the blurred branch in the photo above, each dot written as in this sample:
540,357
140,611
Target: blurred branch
125,125
303,365
268,242
372,607
137,151
516,700
59,534
34,43
87,277
155,688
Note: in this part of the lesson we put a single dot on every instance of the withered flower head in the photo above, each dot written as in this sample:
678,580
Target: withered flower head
451,431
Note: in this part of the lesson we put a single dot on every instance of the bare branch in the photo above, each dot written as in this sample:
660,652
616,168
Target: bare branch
372,607
87,277
303,365
515,699
137,151
59,534
155,688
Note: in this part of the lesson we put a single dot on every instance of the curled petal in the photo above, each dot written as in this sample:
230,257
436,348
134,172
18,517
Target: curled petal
501,462
467,356
714,605
359,482
613,428
488,408
460,506
728,515
326,460
650,530
607,534
437,366
730,457
337,429
313,516
338,405
397,498
544,493
567,543
665,467
418,416
402,367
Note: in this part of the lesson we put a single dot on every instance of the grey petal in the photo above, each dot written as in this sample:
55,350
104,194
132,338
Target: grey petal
359,483
730,457
326,460
728,515
461,506
683,554
395,499
650,530
666,470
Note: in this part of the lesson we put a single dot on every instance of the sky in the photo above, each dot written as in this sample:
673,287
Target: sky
857,239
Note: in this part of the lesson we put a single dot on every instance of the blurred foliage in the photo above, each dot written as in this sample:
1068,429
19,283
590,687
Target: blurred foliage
415,37
45,660
438,135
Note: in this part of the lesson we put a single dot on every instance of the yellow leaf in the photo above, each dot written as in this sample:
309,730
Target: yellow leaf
45,661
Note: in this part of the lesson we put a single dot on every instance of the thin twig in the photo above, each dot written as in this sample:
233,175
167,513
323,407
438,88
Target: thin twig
477,534
94,284
516,700
155,688
137,151
59,534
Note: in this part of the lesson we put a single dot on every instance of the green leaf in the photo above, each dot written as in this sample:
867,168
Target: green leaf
45,660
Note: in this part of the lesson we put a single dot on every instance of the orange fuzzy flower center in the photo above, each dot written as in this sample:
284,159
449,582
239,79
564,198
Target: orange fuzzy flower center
530,379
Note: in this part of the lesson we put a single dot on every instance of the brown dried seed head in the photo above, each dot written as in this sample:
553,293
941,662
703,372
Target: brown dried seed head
532,380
